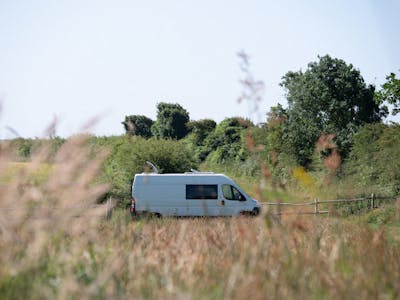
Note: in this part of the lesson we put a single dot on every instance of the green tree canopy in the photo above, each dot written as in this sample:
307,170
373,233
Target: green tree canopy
138,125
201,129
171,121
330,97
226,141
390,93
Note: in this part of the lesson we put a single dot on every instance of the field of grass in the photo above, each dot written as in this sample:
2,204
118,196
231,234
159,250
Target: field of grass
53,247
233,258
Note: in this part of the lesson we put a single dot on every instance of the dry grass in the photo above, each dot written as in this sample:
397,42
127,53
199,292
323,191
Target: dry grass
37,212
228,258
53,247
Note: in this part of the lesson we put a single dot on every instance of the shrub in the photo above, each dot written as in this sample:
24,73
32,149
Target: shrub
375,159
129,155
226,142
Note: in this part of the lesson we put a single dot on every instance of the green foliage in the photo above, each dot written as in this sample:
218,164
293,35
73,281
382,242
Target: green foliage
171,121
25,148
129,154
375,157
390,93
268,149
138,125
330,97
201,129
55,145
365,148
226,142
389,158
381,216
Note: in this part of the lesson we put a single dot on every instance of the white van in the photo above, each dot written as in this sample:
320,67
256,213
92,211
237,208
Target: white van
190,194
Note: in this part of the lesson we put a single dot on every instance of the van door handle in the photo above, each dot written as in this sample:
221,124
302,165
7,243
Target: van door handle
222,202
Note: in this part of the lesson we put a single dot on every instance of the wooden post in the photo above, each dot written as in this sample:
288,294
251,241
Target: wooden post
278,209
110,207
315,206
372,201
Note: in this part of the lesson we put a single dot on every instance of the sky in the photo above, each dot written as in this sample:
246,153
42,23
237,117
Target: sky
87,64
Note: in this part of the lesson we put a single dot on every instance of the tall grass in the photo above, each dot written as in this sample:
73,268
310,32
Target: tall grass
217,258
54,245
240,258
44,219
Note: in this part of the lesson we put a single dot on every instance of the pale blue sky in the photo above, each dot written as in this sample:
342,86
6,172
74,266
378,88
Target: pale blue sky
81,59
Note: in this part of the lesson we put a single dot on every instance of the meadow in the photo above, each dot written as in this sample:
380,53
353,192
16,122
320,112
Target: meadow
54,244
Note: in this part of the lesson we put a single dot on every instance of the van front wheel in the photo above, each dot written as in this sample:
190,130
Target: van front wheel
256,211
251,213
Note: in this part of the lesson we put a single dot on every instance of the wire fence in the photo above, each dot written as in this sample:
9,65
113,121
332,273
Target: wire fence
315,205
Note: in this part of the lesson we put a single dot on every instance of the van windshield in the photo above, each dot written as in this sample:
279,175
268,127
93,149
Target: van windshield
232,193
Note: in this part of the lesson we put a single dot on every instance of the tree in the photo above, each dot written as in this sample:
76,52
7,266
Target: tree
330,97
201,129
276,118
390,93
171,121
226,141
138,125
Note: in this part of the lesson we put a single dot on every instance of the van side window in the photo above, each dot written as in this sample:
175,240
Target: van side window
232,193
201,191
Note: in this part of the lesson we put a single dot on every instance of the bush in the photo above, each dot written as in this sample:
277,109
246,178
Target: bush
129,155
226,142
24,149
381,216
375,159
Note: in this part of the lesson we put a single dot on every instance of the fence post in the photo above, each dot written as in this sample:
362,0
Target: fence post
372,201
315,206
110,207
278,209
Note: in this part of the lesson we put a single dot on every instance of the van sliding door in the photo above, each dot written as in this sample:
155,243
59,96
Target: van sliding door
201,199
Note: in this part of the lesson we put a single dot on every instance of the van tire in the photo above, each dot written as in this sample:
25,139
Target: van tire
157,215
251,213
255,212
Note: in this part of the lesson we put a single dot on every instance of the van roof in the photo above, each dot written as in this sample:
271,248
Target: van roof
182,174
187,175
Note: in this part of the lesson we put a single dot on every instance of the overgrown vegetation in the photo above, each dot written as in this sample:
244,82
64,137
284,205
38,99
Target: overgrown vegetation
329,142
128,156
